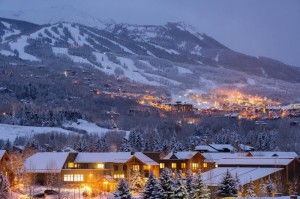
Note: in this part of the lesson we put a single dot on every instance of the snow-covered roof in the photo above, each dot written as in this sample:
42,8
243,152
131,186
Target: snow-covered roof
116,157
2,152
222,147
246,147
213,157
45,162
181,155
255,161
214,176
279,154
205,148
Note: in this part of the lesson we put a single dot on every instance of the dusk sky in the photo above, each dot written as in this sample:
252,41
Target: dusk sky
256,27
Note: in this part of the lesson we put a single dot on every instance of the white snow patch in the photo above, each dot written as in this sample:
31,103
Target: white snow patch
6,53
7,25
264,72
196,50
251,81
183,70
170,51
19,45
217,58
12,131
89,127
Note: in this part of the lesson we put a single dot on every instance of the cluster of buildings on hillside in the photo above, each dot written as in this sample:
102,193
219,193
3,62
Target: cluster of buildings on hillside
102,171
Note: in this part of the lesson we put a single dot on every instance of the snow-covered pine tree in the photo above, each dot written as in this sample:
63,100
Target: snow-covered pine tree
123,190
125,146
157,143
179,188
166,183
102,145
152,188
227,186
81,145
189,180
132,138
238,184
262,188
139,142
270,187
251,189
173,143
4,186
7,145
136,181
199,188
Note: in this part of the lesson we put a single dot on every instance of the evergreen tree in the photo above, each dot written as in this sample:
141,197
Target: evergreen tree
123,190
199,188
238,184
173,143
179,188
81,145
125,146
139,142
166,183
262,188
189,181
152,189
250,189
102,145
227,186
4,186
157,143
132,138
136,181
270,187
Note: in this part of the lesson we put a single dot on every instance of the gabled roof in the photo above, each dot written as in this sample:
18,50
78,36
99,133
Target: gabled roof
279,154
115,157
205,148
181,155
253,161
2,152
221,147
45,162
213,157
214,176
246,147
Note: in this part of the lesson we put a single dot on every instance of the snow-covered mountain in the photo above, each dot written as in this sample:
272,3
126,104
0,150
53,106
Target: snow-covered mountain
174,55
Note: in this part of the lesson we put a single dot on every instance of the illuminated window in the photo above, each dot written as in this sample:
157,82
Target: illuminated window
71,177
68,178
195,166
70,164
78,177
100,166
136,167
183,165
146,167
173,165
204,165
162,165
216,165
119,176
76,165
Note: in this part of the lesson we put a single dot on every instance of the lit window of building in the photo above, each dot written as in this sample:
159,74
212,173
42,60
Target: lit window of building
78,177
183,165
162,165
100,166
146,167
195,166
70,164
136,167
68,178
205,165
173,165
119,176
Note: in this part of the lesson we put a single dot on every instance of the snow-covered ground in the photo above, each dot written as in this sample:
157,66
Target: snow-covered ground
10,132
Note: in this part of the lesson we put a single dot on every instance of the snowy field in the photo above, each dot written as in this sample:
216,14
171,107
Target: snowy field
10,132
